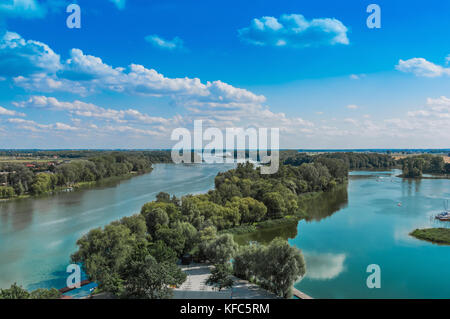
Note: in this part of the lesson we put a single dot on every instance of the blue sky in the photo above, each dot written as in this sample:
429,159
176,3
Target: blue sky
138,69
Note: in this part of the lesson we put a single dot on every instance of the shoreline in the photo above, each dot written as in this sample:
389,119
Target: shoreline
78,186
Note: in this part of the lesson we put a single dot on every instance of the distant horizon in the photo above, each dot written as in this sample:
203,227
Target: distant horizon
281,149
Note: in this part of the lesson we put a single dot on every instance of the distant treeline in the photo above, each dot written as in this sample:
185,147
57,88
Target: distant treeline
18,179
351,159
415,166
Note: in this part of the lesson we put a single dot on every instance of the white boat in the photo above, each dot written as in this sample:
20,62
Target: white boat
445,215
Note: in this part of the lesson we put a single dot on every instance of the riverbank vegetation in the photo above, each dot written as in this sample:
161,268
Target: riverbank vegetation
19,178
17,292
352,160
435,235
169,228
415,166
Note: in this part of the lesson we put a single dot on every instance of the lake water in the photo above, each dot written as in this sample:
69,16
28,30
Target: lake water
364,226
37,235
349,229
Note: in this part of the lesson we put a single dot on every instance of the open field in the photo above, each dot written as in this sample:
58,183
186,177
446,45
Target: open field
13,159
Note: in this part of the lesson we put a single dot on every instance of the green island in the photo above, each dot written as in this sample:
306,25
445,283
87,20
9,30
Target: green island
434,235
119,257
416,166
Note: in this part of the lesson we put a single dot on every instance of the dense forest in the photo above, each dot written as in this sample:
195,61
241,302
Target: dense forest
119,255
353,160
38,177
415,166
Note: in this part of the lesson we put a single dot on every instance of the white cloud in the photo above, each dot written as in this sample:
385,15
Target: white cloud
324,266
293,30
90,110
36,127
352,106
23,9
23,57
87,67
422,68
7,112
175,44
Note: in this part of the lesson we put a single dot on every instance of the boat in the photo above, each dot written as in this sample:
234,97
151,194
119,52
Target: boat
445,215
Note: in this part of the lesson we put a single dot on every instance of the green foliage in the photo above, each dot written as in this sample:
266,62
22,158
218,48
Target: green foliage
17,292
351,160
221,277
435,235
43,183
6,192
150,279
275,267
78,167
221,249
127,256
415,166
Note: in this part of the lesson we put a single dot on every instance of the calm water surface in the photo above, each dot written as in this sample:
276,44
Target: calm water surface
37,235
349,229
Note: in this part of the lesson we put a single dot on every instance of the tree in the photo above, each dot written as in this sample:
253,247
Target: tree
274,202
275,267
163,197
17,292
173,238
155,219
189,233
221,277
40,293
282,266
221,249
250,209
14,292
148,279
104,254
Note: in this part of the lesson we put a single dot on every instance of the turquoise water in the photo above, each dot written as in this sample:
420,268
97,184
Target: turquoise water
349,230
370,228
37,235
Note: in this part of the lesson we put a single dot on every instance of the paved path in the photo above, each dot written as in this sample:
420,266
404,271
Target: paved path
195,288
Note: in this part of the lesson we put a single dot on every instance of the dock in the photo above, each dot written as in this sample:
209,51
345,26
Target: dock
66,289
297,293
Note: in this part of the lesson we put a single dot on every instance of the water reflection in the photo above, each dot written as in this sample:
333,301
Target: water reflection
265,236
318,208
326,204
323,266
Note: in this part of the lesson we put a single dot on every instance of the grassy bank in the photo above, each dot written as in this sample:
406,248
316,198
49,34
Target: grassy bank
434,235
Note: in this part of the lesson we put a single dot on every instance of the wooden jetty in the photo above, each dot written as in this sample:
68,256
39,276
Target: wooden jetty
297,293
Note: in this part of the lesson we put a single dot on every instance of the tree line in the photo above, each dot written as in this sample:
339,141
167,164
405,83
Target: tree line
415,166
352,160
18,179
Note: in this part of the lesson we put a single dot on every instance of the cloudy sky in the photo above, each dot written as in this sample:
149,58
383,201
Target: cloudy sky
137,69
